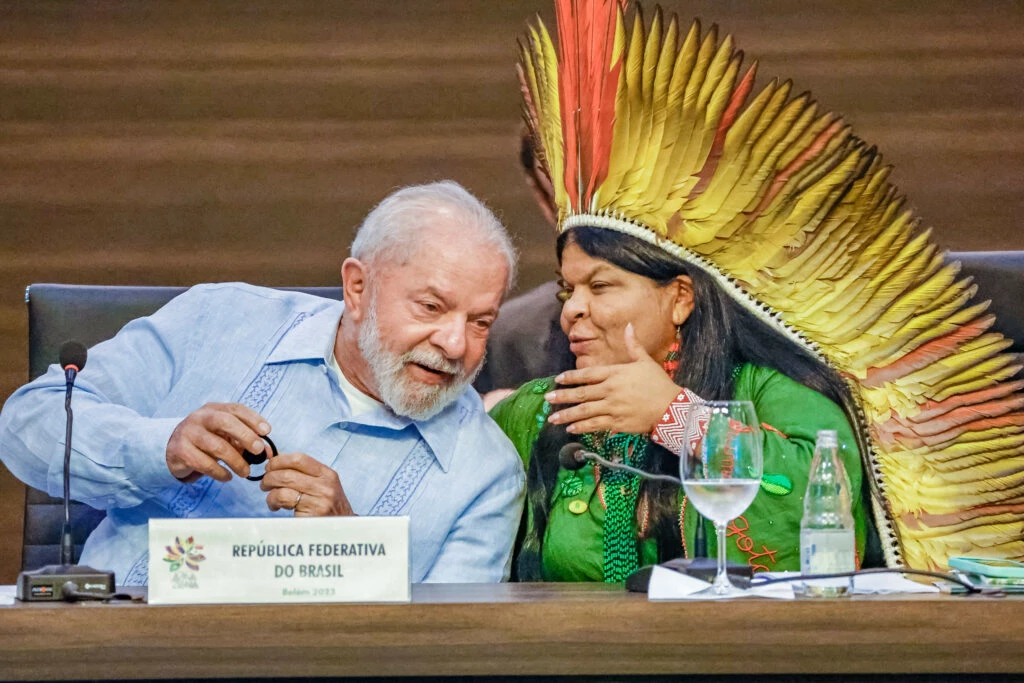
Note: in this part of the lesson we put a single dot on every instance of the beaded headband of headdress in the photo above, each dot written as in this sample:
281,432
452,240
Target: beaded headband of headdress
652,135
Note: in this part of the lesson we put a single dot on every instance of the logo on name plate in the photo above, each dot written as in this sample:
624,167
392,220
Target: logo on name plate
184,554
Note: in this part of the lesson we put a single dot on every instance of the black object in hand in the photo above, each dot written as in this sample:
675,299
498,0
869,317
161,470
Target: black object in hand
259,458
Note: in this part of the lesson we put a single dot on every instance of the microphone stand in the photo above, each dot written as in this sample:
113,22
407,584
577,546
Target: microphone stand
574,456
67,545
67,580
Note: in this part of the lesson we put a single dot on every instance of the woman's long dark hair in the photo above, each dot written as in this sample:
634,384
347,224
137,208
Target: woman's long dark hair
718,337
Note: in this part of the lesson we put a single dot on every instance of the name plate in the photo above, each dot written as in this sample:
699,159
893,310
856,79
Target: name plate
279,559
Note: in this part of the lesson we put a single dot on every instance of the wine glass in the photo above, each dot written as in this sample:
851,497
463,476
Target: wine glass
721,470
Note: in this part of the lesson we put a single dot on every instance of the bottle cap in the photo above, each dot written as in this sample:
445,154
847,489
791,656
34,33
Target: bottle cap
828,438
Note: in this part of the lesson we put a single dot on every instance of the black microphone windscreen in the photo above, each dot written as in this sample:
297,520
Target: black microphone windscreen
571,456
73,354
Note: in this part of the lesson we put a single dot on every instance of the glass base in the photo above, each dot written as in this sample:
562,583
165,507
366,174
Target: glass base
722,586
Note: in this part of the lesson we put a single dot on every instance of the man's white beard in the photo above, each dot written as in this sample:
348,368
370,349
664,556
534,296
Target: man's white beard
404,395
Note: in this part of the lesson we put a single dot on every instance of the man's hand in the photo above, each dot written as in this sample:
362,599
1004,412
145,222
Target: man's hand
629,397
216,433
296,481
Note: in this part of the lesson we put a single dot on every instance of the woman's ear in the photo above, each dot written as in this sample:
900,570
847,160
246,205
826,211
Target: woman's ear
353,281
683,304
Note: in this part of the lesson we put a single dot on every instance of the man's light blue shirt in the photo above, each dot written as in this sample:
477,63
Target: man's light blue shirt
456,476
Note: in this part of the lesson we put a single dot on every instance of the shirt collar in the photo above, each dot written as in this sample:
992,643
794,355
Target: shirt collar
313,337
440,432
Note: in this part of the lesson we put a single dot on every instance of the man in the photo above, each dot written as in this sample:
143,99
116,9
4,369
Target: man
367,400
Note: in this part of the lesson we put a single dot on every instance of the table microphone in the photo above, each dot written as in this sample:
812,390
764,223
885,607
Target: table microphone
66,581
573,456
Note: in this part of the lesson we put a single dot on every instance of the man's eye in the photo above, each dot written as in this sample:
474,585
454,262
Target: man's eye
598,286
564,294
483,324
430,307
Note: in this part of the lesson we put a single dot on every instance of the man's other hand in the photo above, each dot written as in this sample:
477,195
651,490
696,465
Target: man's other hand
296,481
216,433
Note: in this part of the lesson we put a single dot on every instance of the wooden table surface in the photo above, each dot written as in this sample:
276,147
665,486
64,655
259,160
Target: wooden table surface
515,630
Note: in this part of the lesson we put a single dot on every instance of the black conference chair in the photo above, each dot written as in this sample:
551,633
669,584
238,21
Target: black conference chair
89,314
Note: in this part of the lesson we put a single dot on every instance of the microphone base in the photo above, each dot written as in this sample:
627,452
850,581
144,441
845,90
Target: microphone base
703,568
46,584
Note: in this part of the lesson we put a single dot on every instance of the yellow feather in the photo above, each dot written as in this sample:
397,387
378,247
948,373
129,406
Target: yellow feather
977,458
964,360
620,157
736,150
676,131
984,375
922,329
661,105
790,205
632,114
692,130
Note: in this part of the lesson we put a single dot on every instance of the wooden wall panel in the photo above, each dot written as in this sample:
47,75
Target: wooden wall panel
176,142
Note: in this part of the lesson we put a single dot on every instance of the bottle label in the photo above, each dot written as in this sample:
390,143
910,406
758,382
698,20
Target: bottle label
827,551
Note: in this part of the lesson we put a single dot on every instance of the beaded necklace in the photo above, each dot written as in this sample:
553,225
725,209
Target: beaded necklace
621,490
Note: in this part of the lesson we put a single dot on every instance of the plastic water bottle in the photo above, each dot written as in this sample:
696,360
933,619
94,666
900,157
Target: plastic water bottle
827,543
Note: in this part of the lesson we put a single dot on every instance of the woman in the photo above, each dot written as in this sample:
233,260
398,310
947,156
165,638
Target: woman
650,335
765,235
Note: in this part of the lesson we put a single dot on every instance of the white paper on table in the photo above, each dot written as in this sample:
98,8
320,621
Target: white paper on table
7,594
666,584
873,584
890,583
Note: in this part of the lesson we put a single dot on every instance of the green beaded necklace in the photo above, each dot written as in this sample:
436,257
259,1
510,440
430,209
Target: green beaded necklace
621,490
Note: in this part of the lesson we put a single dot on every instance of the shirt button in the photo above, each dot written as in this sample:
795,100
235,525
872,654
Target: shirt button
578,507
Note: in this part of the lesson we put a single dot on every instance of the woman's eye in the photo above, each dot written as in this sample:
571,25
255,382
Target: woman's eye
598,286
564,295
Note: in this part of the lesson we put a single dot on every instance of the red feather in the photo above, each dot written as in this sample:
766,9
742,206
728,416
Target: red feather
606,81
588,84
736,102
815,148
568,81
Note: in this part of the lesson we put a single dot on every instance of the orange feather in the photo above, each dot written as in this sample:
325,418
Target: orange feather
912,441
931,409
954,418
925,355
922,520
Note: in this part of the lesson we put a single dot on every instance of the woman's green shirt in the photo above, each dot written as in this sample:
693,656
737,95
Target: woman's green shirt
766,536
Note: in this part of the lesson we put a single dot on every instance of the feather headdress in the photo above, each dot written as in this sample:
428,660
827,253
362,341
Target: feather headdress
657,134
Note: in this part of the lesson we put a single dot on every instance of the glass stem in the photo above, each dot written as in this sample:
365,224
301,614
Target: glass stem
722,584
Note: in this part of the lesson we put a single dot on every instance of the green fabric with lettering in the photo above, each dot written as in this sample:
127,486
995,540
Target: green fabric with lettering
767,536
